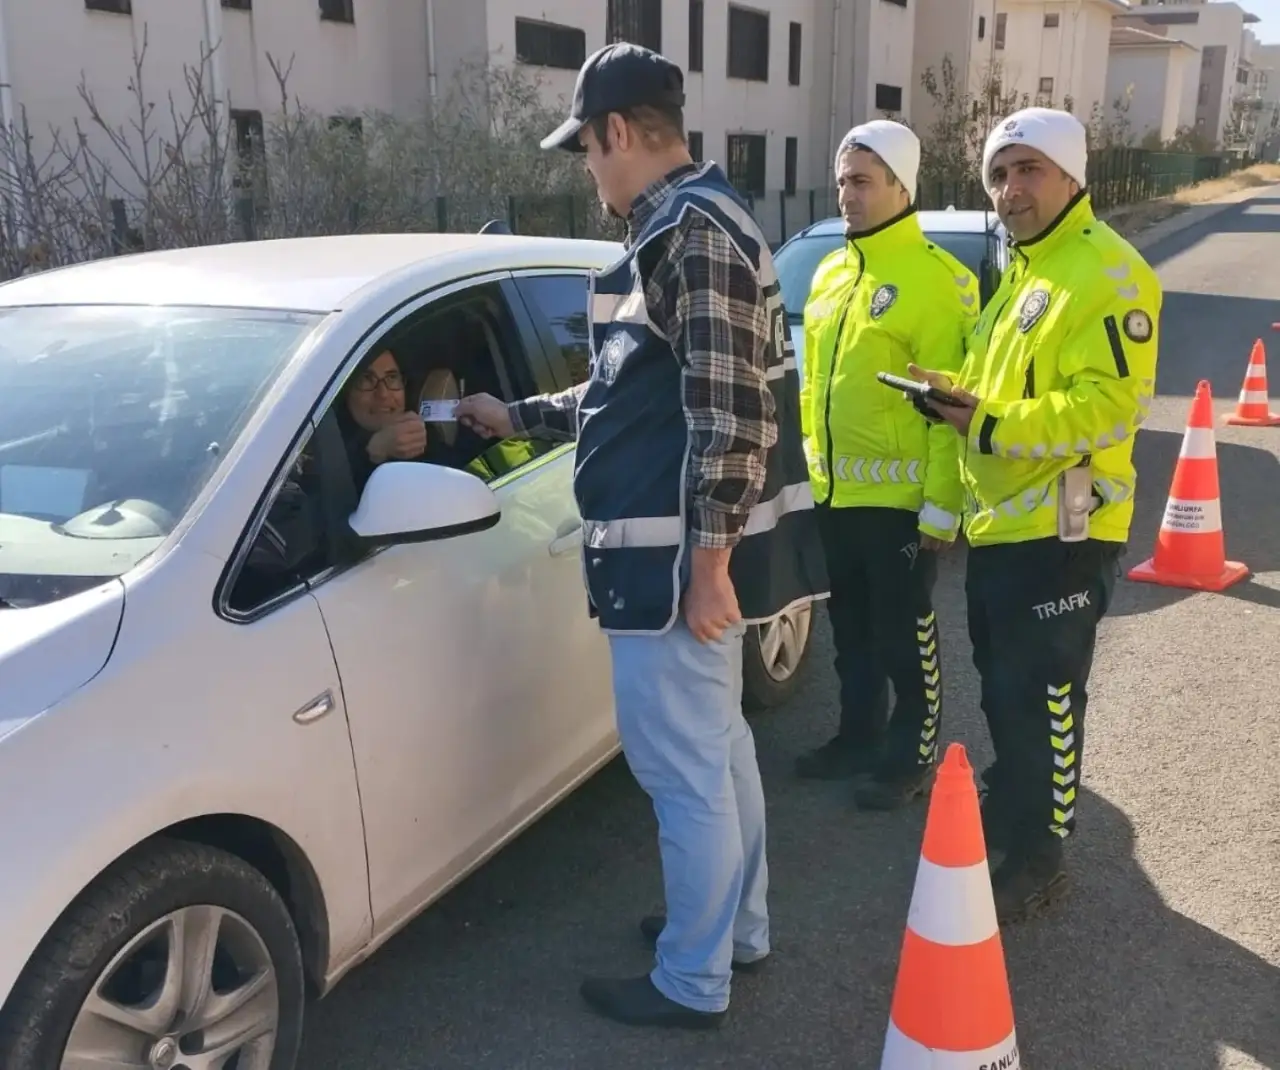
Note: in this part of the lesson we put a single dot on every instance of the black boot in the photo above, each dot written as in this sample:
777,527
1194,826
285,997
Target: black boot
836,759
1029,881
651,927
891,789
635,1001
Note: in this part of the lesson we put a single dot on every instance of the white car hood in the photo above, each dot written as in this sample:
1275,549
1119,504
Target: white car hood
47,652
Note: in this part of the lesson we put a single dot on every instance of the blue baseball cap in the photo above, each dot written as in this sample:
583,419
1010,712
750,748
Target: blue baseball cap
615,78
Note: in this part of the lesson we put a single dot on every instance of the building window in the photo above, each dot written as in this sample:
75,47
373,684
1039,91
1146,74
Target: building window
238,5
1001,21
746,163
748,44
888,97
248,133
637,21
791,161
899,3
695,144
114,7
1051,21
793,55
982,27
338,10
1046,87
544,44
695,35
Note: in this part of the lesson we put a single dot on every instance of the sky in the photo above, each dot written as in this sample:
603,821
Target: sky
1268,30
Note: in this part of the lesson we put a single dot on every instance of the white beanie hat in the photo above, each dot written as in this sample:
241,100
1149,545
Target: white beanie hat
894,143
1058,134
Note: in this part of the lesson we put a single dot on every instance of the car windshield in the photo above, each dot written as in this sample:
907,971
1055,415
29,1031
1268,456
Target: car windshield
112,419
799,259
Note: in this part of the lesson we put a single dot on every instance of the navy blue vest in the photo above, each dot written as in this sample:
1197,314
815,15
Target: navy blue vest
633,446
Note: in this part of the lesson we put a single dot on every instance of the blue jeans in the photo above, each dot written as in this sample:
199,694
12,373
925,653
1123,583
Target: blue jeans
679,708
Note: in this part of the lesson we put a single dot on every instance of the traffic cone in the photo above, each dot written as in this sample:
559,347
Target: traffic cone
951,1003
1254,407
1189,549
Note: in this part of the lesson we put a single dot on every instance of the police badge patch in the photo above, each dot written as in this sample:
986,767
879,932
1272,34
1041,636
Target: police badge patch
882,299
1035,306
1137,325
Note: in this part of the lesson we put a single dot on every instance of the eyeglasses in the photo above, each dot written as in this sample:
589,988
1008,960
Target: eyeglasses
368,382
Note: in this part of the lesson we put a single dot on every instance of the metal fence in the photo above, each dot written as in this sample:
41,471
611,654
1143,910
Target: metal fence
1116,177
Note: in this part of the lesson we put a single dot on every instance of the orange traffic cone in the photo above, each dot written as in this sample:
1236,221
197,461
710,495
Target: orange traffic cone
951,1003
1189,549
1254,407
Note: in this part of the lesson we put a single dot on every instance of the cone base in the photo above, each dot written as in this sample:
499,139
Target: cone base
1272,419
1232,572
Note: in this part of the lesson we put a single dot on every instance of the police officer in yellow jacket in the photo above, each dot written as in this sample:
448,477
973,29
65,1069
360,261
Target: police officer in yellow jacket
1059,375
887,485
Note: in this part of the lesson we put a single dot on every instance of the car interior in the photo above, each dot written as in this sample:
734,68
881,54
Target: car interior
462,345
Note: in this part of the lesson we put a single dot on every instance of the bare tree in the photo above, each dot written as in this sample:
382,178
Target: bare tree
172,172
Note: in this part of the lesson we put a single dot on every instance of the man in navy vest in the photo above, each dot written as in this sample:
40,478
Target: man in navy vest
697,514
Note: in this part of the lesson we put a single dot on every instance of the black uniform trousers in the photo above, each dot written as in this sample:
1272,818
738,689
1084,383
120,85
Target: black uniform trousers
883,625
1034,609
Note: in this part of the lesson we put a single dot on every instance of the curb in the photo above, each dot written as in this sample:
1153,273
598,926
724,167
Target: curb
1198,213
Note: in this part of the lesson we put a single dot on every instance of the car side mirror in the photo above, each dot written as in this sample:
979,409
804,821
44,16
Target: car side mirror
412,501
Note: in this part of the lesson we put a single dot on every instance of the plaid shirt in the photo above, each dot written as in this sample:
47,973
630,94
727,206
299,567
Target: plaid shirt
704,297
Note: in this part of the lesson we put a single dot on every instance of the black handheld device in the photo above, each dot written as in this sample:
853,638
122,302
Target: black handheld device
920,393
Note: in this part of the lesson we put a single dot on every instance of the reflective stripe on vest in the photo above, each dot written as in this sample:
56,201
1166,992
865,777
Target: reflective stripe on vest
1107,491
872,470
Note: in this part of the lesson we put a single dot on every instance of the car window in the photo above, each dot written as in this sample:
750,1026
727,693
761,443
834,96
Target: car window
796,262
112,421
562,300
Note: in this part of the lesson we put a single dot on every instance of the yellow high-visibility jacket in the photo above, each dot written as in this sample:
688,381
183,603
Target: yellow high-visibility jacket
888,298
1063,359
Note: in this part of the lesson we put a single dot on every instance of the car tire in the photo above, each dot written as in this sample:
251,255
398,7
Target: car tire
773,661
113,947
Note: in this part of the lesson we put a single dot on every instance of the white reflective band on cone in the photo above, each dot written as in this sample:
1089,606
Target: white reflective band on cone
1192,518
1198,443
953,905
903,1053
1254,397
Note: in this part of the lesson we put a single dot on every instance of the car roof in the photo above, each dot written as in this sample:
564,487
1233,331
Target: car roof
966,221
320,274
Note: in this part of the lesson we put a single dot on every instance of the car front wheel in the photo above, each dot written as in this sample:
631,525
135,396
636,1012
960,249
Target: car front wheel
772,656
179,956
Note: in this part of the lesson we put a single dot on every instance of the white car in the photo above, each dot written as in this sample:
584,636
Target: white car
234,762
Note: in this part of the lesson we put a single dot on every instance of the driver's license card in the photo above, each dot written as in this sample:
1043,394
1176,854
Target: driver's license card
438,412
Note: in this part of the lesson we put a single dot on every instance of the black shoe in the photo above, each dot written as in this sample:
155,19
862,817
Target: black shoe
635,1001
892,790
1028,882
836,760
651,928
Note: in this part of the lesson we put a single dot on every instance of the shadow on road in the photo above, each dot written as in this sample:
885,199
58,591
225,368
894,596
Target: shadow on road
1242,218
1162,990
1249,486
1210,336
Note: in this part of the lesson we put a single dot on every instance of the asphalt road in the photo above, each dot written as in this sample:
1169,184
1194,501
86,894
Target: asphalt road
1167,957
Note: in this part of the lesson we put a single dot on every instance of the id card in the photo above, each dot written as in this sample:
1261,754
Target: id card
438,411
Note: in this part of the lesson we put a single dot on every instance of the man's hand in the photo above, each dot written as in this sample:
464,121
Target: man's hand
959,417
403,439
710,603
485,415
932,542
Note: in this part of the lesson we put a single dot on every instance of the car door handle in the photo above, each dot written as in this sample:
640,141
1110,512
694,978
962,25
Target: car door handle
567,539
315,709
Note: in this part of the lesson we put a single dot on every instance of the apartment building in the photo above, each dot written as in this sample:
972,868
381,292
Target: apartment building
1220,31
962,31
772,84
1054,50
1159,75
1267,143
